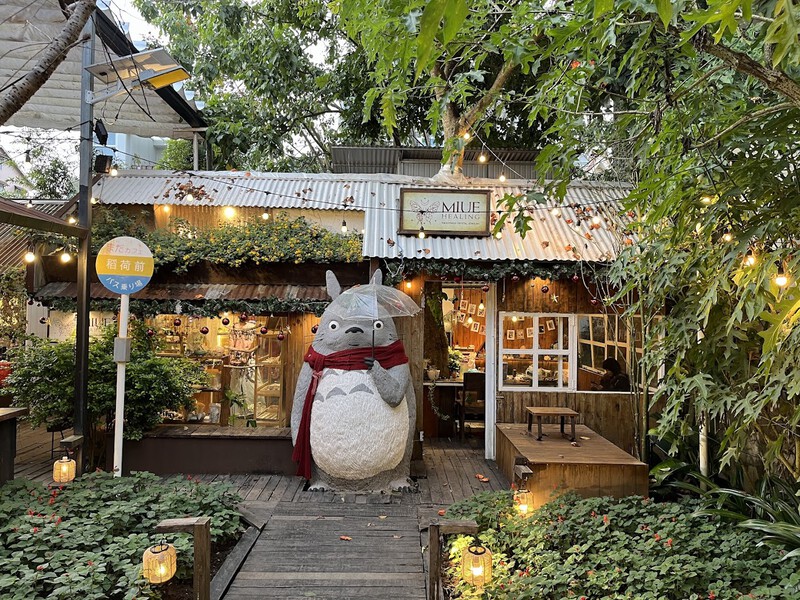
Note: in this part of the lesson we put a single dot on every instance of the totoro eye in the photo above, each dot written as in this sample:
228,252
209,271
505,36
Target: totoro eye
378,325
333,325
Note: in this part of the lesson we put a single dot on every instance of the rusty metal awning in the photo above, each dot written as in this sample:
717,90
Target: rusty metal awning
193,292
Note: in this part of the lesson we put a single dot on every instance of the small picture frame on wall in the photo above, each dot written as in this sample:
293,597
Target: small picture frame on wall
541,328
463,305
476,327
482,330
551,325
472,308
511,335
482,312
520,334
461,317
529,332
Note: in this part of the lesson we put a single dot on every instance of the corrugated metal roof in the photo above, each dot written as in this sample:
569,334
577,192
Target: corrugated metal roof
553,238
162,291
386,159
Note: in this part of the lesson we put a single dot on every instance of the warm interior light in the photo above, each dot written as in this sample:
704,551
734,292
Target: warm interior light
514,319
421,234
408,285
750,259
502,177
65,257
114,171
265,215
166,208
466,135
481,306
524,500
64,470
72,220
344,226
29,257
159,563
470,320
229,212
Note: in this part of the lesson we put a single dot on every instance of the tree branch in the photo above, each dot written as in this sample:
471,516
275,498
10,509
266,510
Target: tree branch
22,91
472,114
775,80
746,119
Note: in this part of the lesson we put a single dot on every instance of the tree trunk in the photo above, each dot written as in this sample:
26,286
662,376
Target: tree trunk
55,53
435,344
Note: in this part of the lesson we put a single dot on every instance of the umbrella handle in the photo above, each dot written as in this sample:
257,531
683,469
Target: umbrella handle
373,339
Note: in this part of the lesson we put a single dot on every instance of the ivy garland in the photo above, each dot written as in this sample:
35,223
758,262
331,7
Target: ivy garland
200,308
493,271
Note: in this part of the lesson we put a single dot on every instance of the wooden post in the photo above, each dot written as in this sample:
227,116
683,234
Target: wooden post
435,532
200,528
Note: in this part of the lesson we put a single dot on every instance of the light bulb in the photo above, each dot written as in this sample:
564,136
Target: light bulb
481,306
72,220
477,571
781,280
29,257
29,204
514,319
408,285
706,199
482,157
470,320
750,259
502,177
727,236
229,212
523,509
93,200
189,197
65,257
265,216
597,220
466,135
421,234
166,208
114,171
499,235
556,212
344,226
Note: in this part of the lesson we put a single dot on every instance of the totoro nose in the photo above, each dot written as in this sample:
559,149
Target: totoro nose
354,329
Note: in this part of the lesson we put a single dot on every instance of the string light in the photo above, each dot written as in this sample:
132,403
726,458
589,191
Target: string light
481,306
597,220
72,220
29,204
421,234
502,177
189,197
265,216
750,258
93,200
781,280
408,285
229,212
344,226
727,236
470,320
65,257
466,136
482,158
499,235
114,171
29,257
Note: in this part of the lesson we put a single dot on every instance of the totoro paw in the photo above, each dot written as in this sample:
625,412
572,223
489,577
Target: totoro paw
403,484
317,486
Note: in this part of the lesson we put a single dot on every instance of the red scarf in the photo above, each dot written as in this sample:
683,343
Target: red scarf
348,360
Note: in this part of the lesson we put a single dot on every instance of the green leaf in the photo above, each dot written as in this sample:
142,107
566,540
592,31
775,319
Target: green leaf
428,28
601,7
664,9
454,16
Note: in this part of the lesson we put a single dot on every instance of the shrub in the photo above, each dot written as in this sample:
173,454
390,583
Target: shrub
631,548
86,540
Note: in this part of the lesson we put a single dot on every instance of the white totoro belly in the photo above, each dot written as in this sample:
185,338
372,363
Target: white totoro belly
354,433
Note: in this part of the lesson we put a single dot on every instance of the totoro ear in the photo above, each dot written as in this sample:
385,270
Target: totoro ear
334,289
377,277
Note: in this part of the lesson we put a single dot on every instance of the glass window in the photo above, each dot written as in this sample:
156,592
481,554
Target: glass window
536,350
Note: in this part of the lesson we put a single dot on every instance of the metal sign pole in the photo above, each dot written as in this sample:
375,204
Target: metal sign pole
122,354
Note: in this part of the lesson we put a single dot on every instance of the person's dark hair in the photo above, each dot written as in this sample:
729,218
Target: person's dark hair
611,364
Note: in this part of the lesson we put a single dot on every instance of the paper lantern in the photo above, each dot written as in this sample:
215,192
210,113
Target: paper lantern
524,502
64,470
159,563
476,566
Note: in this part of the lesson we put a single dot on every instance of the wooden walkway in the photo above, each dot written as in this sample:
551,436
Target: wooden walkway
300,552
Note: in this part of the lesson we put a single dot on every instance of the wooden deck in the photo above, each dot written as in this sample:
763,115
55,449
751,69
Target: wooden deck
592,466
299,552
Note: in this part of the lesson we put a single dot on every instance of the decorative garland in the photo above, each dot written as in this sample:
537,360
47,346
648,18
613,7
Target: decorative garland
200,308
491,271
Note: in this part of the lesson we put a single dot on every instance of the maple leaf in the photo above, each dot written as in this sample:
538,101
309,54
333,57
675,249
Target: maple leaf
345,538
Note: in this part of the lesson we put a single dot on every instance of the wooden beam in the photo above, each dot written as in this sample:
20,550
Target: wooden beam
200,528
12,213
435,532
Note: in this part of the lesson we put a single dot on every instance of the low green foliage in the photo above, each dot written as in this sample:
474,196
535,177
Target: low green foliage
86,540
631,548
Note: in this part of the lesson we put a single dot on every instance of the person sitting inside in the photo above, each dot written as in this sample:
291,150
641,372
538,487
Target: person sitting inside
614,379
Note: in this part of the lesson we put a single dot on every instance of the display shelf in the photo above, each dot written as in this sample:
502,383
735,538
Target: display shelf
268,401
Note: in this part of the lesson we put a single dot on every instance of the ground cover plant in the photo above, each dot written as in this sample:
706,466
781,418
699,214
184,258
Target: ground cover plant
86,540
631,548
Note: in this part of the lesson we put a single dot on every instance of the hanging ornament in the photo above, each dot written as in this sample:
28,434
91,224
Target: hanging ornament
485,287
457,279
204,330
176,322
264,330
515,278
30,301
226,321
576,278
314,329
243,317
594,301
545,289
150,333
281,336
455,299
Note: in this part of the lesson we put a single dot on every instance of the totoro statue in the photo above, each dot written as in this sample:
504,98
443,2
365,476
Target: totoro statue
354,406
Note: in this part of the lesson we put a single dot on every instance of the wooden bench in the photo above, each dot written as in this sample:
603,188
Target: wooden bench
551,411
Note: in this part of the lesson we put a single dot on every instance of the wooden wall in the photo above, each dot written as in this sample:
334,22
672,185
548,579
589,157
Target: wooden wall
562,296
463,335
295,346
611,414
411,330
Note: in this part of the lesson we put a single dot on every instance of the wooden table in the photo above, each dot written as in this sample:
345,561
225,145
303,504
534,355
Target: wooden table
550,411
8,441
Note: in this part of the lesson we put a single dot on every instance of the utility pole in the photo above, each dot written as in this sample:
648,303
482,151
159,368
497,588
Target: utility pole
85,244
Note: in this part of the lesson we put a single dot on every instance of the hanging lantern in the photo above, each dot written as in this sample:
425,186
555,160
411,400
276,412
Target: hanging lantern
476,566
545,289
226,321
204,330
281,336
524,501
314,329
159,563
264,330
177,322
64,470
